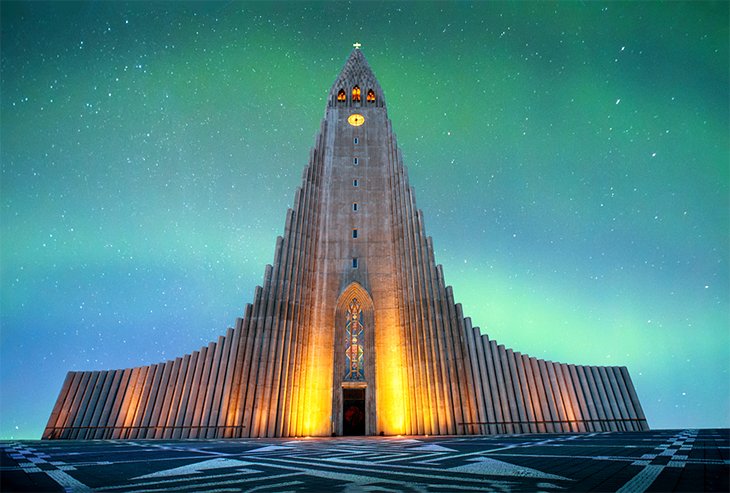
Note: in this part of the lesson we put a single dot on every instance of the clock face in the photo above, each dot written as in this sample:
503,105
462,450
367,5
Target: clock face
356,119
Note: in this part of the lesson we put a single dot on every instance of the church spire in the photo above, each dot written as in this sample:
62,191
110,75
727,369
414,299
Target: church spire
356,85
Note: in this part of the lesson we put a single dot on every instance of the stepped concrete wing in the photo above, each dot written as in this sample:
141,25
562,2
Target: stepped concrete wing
353,330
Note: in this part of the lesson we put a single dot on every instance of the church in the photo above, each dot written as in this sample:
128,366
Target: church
353,330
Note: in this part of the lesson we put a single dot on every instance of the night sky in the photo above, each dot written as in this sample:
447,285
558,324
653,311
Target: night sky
571,159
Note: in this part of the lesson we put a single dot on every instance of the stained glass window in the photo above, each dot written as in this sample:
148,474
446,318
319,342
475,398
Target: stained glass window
353,344
371,96
341,95
356,93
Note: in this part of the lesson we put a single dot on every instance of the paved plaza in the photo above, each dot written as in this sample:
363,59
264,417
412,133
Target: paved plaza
662,460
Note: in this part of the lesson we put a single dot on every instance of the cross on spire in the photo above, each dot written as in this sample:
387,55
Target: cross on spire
357,45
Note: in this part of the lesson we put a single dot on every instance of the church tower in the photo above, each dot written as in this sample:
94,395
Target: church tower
353,331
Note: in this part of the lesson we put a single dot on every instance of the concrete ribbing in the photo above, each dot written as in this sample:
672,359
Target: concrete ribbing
256,381
634,399
159,409
524,386
490,417
194,391
517,392
83,411
122,416
534,394
211,389
610,398
187,385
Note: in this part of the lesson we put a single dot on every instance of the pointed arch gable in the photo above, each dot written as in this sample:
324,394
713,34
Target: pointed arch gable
354,290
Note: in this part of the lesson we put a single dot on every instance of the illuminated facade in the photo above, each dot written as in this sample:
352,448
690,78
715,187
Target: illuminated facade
354,330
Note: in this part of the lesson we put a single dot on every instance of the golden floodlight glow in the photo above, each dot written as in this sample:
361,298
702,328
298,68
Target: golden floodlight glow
389,374
353,331
316,406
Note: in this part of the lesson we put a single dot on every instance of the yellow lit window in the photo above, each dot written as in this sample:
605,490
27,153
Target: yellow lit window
356,94
341,96
371,96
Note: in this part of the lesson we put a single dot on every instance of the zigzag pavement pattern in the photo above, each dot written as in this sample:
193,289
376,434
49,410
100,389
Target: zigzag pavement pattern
660,460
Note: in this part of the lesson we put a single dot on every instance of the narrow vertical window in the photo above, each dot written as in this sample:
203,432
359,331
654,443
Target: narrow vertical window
354,183
371,96
355,161
341,96
354,206
354,233
356,140
354,354
354,262
356,94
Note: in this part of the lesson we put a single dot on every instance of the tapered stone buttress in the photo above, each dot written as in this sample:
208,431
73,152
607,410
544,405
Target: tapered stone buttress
353,331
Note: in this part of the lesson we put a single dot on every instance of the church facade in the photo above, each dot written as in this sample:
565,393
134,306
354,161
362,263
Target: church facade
353,331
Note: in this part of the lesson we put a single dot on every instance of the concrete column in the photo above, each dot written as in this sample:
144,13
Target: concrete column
542,394
610,424
473,336
168,384
239,374
188,422
463,362
179,390
533,389
207,429
610,398
570,401
187,387
129,391
524,385
571,379
108,393
103,384
508,389
158,409
496,384
591,391
87,406
143,402
549,397
422,421
251,406
520,405
197,429
643,425
434,377
269,344
441,340
562,417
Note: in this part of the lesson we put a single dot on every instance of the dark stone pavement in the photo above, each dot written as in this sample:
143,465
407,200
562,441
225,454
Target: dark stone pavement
657,461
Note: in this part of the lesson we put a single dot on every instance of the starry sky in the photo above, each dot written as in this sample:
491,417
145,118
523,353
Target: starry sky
571,159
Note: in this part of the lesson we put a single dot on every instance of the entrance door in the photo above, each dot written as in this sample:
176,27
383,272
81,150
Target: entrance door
353,412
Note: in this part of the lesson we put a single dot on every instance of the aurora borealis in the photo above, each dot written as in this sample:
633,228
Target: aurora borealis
571,159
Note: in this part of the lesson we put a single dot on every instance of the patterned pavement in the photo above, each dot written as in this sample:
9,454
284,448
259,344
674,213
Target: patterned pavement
663,460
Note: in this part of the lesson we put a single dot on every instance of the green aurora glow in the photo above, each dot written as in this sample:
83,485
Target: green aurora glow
571,159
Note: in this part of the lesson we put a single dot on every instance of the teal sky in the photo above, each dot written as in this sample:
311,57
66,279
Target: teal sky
571,159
